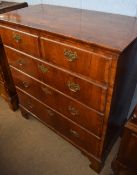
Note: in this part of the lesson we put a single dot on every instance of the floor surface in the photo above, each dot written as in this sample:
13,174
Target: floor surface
27,147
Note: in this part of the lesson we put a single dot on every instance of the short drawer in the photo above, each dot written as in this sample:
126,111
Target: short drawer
22,62
84,91
73,110
77,60
69,130
22,41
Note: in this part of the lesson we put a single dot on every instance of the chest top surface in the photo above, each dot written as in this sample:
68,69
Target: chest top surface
114,32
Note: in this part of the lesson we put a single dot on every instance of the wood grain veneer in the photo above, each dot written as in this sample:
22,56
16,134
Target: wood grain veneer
79,113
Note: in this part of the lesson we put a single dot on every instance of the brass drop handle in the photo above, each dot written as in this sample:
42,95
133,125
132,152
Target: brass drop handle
17,38
50,113
42,68
73,111
71,56
20,62
30,106
73,87
25,84
46,91
74,133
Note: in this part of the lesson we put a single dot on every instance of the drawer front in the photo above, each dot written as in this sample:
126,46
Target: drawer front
71,109
22,62
77,135
86,92
22,41
79,89
77,60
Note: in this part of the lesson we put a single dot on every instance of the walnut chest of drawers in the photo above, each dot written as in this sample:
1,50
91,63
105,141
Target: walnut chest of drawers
64,64
7,88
